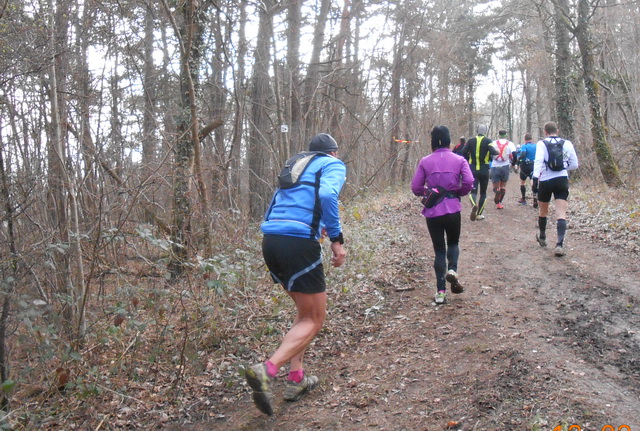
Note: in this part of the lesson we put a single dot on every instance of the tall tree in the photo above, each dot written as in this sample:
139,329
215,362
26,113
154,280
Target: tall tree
189,34
581,29
261,131
564,101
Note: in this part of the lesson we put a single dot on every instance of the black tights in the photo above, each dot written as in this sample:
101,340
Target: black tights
445,250
481,179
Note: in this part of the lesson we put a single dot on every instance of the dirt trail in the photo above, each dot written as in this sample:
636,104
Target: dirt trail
534,342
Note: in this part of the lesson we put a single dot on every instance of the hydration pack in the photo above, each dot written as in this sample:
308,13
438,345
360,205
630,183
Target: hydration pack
556,154
294,168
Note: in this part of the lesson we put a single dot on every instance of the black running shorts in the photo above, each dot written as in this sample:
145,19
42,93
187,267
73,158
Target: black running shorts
558,187
294,262
526,170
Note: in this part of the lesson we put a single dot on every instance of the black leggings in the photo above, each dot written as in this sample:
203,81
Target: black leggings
445,251
480,178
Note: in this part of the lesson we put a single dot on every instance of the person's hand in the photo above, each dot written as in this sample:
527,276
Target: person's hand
323,233
339,254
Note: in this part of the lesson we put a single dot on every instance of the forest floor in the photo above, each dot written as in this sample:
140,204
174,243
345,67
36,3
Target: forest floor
535,342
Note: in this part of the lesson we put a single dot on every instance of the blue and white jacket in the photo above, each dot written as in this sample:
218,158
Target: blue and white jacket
304,210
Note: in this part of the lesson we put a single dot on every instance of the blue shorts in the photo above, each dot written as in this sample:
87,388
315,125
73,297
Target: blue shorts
294,262
500,174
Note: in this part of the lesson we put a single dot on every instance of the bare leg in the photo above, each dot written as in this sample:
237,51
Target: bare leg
311,309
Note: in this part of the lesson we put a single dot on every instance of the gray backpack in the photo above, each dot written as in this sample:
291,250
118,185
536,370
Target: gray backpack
294,168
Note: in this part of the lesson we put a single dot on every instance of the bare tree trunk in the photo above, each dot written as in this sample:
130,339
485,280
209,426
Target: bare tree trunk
608,166
57,201
187,146
471,88
260,140
239,92
312,80
296,129
564,101
149,141
396,103
8,270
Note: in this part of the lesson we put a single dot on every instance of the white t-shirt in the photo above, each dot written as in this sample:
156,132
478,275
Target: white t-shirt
505,147
540,169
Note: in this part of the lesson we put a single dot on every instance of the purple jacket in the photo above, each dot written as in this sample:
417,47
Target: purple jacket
445,169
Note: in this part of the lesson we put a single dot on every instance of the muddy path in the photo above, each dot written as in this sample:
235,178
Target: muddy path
536,342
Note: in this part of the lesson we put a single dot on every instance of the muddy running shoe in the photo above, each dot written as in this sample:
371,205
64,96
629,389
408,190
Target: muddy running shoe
535,202
440,298
452,277
474,213
480,217
559,251
541,241
499,206
259,381
294,391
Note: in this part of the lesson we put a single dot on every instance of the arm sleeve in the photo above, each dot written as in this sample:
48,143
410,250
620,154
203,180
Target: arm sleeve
466,179
538,164
573,158
418,181
331,182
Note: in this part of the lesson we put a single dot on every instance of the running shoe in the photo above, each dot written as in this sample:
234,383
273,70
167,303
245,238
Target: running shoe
293,391
480,217
440,298
522,201
474,213
535,202
559,251
541,241
499,206
452,277
259,381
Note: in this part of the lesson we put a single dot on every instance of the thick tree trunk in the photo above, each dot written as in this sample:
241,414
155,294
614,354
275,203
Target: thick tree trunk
56,152
312,80
564,101
260,140
296,138
187,146
601,146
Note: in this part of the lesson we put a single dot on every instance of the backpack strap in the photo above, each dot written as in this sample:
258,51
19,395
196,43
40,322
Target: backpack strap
317,208
501,147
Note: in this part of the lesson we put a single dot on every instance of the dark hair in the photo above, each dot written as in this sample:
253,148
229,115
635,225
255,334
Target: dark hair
440,137
527,136
502,132
551,128
462,140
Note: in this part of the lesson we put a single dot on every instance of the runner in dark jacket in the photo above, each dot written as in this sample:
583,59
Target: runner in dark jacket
479,153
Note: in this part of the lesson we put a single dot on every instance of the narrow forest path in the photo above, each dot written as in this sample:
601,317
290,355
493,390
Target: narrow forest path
534,342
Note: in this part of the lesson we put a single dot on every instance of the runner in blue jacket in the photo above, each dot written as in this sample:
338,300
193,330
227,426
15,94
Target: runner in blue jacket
296,219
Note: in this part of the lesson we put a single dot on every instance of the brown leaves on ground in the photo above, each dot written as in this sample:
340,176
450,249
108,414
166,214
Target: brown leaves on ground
534,341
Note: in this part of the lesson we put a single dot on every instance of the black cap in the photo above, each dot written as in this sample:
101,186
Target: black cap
323,142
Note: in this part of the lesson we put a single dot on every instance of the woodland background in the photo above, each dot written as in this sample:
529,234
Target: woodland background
140,140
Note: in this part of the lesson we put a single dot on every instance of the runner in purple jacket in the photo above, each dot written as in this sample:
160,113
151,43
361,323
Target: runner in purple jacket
451,172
